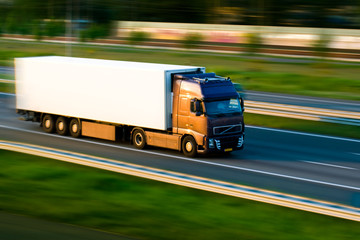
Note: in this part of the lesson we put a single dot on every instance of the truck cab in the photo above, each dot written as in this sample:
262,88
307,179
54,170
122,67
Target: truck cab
208,113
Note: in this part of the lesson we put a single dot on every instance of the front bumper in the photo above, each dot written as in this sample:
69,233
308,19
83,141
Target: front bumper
223,144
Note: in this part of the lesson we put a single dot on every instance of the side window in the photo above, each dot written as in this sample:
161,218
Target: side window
193,104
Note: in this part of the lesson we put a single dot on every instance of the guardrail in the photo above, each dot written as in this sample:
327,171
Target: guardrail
226,188
301,112
7,81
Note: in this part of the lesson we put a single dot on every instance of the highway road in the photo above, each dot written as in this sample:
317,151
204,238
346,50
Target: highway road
325,168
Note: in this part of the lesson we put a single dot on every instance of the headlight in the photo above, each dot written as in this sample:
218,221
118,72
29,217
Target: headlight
211,143
240,141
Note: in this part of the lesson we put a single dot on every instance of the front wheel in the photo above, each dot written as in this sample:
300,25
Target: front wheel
189,146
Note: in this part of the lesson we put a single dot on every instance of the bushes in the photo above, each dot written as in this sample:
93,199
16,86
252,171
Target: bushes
137,37
253,43
321,45
192,40
93,32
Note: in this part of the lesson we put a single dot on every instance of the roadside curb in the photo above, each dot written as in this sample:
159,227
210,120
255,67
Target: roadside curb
230,189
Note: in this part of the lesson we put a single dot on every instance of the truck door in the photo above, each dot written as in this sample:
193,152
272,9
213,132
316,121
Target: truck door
183,113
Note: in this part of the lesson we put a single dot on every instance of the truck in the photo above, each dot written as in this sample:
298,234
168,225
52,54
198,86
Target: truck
148,104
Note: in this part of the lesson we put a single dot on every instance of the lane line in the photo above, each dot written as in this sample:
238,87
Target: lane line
304,134
193,160
330,165
206,184
7,94
302,99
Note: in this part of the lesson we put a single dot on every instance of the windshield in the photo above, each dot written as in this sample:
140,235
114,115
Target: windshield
223,107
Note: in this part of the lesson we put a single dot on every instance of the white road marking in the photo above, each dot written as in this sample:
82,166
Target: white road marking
192,160
304,134
302,99
331,165
7,94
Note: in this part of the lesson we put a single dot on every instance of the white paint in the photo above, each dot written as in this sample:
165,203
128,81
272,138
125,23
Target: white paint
302,99
7,94
330,165
304,134
193,160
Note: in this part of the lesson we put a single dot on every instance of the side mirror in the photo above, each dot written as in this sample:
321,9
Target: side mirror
242,104
196,107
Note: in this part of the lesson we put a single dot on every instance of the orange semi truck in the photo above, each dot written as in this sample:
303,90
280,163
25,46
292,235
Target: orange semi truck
171,106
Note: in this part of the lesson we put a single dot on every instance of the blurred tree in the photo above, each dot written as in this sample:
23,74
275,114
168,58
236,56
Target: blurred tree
320,13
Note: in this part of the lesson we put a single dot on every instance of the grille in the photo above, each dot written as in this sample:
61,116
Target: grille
228,142
227,129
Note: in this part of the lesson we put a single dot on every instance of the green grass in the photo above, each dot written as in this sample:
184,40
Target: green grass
302,125
7,87
146,209
6,76
321,79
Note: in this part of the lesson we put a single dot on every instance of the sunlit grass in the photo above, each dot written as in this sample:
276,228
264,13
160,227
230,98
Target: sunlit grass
322,79
146,209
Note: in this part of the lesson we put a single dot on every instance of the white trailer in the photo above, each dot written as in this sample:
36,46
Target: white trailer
128,93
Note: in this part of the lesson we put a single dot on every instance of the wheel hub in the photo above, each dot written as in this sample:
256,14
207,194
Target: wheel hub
189,146
74,128
61,126
138,139
47,123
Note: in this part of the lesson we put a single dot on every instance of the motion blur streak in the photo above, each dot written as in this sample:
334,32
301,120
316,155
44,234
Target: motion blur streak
206,162
256,194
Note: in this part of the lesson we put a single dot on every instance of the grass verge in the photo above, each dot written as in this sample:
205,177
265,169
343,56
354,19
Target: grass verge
7,87
147,209
321,79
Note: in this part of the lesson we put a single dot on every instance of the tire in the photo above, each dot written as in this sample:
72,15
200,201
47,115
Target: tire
48,123
62,126
75,128
189,147
139,139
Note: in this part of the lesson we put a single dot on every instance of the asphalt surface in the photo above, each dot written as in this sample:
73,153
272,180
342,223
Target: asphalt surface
305,101
324,168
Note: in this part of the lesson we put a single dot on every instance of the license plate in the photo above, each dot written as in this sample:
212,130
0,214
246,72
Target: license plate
228,149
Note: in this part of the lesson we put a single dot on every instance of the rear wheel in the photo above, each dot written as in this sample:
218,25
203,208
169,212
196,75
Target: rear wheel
189,146
75,127
62,126
139,139
48,123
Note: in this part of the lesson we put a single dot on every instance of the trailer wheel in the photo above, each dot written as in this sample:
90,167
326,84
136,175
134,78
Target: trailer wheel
139,139
48,123
62,126
75,127
189,146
